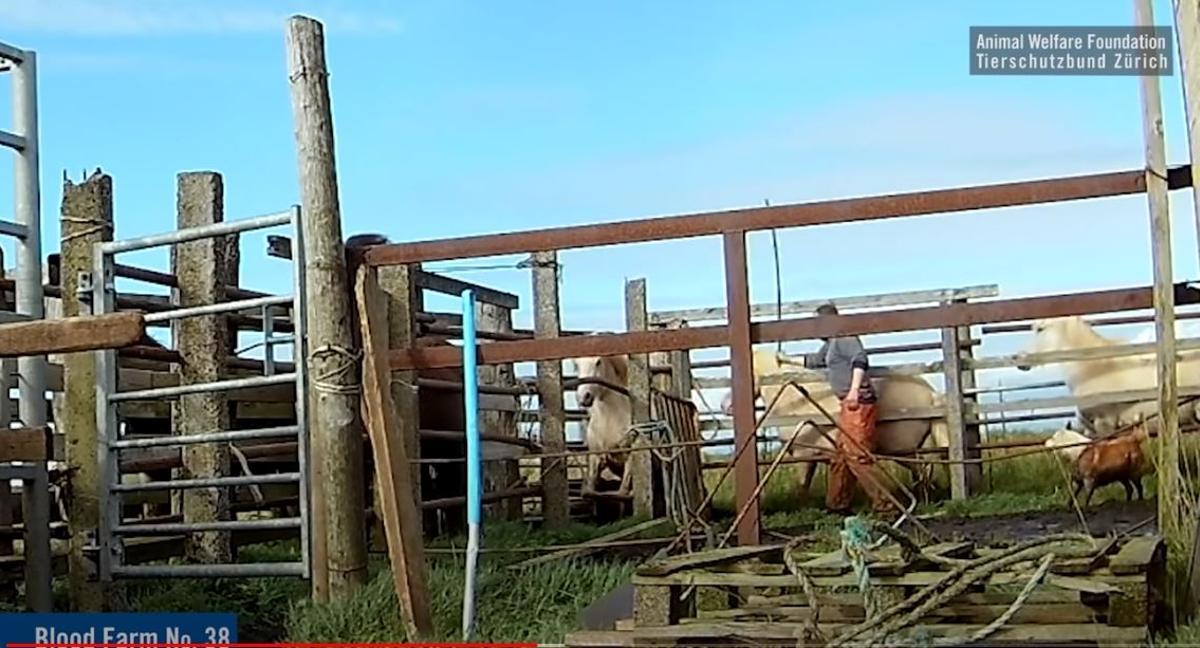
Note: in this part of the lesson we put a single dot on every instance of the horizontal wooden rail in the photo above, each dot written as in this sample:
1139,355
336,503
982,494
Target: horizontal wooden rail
808,306
1011,194
1097,321
26,444
959,314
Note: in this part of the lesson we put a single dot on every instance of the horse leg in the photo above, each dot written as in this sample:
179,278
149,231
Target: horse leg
626,486
1137,483
1128,490
806,477
1091,488
592,475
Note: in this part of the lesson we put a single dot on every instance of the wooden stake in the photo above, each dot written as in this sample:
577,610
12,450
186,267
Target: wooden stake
336,428
1187,32
955,422
395,501
551,417
203,344
502,474
403,302
1169,511
87,219
645,502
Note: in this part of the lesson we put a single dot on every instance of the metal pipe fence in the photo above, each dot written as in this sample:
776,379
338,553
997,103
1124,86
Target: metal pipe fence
113,530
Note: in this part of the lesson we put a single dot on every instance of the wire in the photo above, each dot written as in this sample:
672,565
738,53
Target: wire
778,282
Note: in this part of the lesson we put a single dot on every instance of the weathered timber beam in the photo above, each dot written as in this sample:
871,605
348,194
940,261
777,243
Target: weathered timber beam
1012,194
807,306
26,444
957,314
71,334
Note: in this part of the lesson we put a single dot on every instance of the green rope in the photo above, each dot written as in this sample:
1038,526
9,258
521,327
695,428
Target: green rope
856,538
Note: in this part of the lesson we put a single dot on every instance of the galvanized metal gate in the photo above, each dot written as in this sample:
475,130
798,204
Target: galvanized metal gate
113,529
26,228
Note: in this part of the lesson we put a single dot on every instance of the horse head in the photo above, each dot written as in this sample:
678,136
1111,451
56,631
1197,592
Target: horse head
1052,334
613,370
764,363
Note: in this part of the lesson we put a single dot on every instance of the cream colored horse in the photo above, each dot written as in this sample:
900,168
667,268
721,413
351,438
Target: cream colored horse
896,394
609,417
1091,378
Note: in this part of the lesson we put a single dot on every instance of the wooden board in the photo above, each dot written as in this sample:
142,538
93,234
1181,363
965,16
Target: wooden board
705,559
26,444
1136,555
401,519
71,334
595,544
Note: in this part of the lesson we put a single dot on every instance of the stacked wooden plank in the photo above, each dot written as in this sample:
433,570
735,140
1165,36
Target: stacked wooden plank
1110,597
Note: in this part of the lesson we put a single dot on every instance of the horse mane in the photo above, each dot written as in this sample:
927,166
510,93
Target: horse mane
620,365
1084,334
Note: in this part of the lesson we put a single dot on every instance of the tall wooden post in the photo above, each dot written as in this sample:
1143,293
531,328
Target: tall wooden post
403,303
203,345
503,474
1170,513
952,371
336,427
87,219
971,428
641,463
546,324
741,372
1187,32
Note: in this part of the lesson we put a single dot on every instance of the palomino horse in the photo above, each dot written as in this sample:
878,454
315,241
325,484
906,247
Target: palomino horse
609,417
813,430
1092,378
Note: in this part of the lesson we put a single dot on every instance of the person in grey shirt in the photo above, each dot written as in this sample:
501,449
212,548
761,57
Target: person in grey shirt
845,360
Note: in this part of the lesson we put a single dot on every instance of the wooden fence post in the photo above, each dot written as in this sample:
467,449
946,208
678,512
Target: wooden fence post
645,500
551,417
971,428
502,474
1187,32
1170,512
963,445
203,345
394,501
336,427
87,219
404,300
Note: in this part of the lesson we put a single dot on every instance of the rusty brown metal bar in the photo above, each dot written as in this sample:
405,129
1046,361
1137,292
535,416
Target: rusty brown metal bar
913,319
1029,192
737,304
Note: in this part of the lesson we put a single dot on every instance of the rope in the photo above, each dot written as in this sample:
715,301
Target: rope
812,631
340,378
955,582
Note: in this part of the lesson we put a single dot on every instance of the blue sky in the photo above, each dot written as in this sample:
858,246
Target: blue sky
456,118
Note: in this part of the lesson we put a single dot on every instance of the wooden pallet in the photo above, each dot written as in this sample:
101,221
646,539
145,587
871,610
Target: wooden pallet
1112,597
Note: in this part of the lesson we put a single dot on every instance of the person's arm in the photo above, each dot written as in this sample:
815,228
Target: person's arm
858,365
816,360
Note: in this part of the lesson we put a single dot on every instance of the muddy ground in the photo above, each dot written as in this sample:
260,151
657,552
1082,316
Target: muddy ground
1111,517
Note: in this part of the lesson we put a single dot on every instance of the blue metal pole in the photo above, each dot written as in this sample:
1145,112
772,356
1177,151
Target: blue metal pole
474,463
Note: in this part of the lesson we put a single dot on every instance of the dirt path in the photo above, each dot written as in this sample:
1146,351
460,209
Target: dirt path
1116,516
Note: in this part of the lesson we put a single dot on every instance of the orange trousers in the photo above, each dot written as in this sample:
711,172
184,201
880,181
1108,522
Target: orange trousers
850,464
